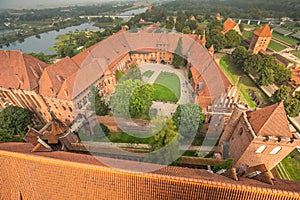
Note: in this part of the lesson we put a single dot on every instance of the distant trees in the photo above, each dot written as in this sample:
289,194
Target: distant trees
170,23
186,30
292,107
134,73
14,122
265,68
233,39
132,98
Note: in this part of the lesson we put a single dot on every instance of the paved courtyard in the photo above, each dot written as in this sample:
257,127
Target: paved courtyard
163,108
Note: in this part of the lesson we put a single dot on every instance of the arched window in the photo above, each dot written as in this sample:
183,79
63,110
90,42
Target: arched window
275,150
261,149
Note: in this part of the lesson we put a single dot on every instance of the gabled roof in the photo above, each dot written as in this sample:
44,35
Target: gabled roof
263,31
270,121
229,24
55,75
19,71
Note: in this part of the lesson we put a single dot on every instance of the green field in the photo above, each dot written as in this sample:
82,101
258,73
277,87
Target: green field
247,34
162,93
167,87
291,165
286,39
245,84
275,46
296,53
148,73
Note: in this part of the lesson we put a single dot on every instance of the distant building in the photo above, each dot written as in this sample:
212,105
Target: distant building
261,39
262,136
229,24
149,8
192,18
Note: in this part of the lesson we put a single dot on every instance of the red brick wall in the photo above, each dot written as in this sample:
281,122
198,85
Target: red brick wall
38,178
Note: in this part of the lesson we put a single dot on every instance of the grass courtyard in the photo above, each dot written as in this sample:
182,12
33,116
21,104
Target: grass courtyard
247,34
275,46
148,73
167,87
290,166
245,85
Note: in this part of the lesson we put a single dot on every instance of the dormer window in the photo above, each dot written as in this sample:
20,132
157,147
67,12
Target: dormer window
261,149
275,150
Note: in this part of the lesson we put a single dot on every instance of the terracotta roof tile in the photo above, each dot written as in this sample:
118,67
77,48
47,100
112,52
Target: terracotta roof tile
270,121
263,31
229,24
19,71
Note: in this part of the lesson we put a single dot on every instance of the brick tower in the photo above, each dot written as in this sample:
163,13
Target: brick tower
261,39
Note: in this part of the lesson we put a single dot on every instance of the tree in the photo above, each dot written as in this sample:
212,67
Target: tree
15,120
97,103
233,39
267,77
292,107
239,55
192,24
281,73
186,30
180,21
178,60
170,23
133,74
228,164
132,98
188,119
281,94
164,145
253,63
218,40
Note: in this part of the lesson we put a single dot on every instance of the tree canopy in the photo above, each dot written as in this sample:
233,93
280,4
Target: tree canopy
132,98
15,120
165,143
281,94
188,119
97,103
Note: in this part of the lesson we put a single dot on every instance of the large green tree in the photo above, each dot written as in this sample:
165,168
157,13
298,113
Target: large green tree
170,23
233,39
132,98
134,73
267,77
281,94
15,120
292,107
165,143
188,119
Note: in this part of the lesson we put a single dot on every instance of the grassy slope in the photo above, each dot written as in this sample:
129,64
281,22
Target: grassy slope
275,46
292,165
287,39
296,53
245,83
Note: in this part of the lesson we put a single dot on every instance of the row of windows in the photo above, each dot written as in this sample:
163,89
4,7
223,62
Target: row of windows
262,148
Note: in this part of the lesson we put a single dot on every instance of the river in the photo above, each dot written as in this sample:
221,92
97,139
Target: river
48,40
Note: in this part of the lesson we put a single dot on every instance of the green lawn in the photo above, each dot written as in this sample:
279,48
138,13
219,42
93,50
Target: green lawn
292,165
167,83
296,53
148,73
275,46
162,93
287,39
245,85
247,34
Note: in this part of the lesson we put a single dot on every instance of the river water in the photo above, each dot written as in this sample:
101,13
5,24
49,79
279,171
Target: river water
47,40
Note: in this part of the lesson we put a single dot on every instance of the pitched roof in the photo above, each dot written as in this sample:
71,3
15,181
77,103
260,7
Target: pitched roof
263,31
19,71
55,75
270,121
228,25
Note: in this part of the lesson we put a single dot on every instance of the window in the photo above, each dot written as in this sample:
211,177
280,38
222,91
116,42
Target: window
240,131
261,149
275,150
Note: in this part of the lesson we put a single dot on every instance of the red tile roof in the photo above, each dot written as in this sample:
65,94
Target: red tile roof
263,31
229,24
270,121
19,71
184,175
